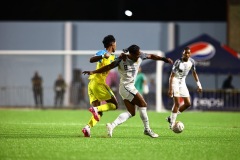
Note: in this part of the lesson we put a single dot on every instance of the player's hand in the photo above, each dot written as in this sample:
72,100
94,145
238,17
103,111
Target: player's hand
199,90
167,60
87,72
123,56
170,93
107,55
170,60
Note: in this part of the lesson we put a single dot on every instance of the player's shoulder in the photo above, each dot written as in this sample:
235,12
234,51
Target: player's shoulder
101,52
177,61
191,60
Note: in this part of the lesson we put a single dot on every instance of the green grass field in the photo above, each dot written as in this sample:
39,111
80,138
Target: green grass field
56,134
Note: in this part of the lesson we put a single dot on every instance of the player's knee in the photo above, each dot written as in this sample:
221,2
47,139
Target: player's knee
100,113
113,106
143,104
132,114
188,105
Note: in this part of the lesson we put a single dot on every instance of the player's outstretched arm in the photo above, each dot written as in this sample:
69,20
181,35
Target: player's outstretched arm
123,56
103,69
95,59
156,57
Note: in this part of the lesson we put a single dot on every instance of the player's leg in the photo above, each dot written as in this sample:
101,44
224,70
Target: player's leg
141,103
94,102
176,96
107,95
122,117
186,104
127,96
174,112
102,92
92,122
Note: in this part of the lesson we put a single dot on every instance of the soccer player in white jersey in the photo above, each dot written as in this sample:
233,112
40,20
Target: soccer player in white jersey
128,69
177,85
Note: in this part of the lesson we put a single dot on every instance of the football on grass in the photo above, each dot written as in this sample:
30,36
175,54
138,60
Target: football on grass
178,127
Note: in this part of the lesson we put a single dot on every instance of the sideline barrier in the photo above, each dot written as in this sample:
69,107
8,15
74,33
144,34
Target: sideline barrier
218,100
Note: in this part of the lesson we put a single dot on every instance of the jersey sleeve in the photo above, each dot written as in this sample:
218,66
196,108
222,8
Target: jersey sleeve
117,61
176,66
193,68
100,53
143,56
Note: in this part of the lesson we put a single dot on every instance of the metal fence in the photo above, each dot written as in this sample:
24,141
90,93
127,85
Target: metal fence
219,100
23,97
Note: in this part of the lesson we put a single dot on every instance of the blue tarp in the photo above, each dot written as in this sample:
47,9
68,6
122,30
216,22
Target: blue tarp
210,55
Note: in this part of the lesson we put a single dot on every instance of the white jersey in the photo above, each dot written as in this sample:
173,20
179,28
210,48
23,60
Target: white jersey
181,70
128,70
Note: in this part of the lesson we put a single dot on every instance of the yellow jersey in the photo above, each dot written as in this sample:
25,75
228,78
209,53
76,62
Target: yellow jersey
101,77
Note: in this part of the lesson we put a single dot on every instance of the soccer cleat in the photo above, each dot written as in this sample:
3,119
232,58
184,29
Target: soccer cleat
86,132
168,119
94,113
150,133
109,129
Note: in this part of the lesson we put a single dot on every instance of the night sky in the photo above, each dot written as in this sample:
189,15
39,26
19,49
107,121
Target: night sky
113,10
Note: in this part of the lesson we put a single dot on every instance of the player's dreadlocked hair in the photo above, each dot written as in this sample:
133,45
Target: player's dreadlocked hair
133,49
108,40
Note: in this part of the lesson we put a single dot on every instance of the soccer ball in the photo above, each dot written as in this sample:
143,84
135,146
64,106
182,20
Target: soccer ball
178,127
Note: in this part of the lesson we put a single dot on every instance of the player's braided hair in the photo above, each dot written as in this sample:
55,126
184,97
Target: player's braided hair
108,40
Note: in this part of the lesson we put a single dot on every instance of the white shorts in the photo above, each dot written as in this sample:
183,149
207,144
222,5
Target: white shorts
180,88
127,92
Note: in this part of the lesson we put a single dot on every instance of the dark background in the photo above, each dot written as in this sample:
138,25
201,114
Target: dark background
108,10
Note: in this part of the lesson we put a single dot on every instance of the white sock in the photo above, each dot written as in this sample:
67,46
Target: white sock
144,117
87,126
173,117
121,118
96,109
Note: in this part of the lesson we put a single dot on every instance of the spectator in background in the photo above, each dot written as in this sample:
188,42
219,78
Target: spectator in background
37,89
59,88
112,81
141,82
151,97
227,83
77,88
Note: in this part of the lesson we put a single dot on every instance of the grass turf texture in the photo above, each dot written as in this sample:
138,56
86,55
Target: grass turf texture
56,134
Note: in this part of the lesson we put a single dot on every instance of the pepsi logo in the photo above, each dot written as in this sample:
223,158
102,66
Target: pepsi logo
202,51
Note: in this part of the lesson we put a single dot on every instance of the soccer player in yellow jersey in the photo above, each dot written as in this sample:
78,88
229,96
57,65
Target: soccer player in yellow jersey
98,90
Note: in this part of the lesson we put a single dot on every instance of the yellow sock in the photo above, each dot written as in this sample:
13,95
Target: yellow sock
106,107
92,122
